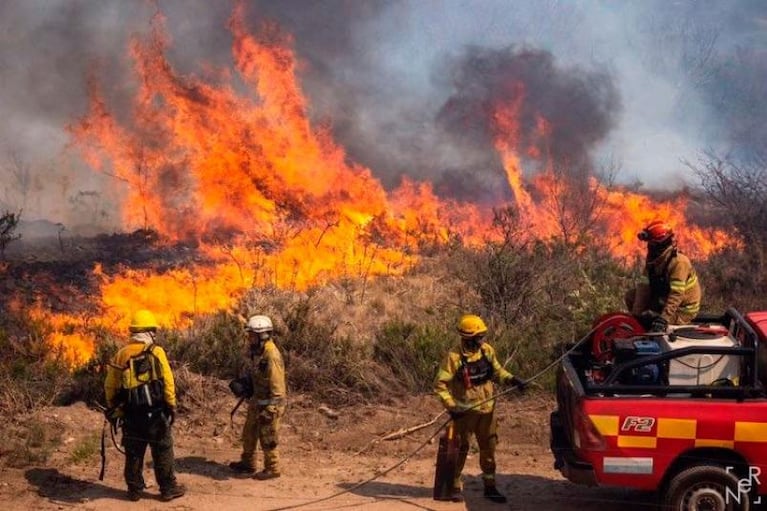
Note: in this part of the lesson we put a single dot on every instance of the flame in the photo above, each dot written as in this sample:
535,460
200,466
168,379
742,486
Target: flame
234,164
65,334
619,214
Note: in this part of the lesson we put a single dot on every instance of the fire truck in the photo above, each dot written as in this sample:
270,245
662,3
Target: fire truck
682,413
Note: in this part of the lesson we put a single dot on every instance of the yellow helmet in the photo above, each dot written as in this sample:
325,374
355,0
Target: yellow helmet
471,325
142,321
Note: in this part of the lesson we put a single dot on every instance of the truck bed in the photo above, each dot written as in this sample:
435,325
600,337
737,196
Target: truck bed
616,427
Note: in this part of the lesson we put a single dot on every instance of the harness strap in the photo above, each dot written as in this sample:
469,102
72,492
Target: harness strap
267,402
464,371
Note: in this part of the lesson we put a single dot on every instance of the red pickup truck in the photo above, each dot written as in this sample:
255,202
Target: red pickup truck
683,413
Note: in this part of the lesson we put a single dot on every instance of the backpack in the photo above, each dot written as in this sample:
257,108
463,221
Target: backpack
142,382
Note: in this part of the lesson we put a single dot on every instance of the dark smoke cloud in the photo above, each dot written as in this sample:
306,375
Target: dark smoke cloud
689,75
581,107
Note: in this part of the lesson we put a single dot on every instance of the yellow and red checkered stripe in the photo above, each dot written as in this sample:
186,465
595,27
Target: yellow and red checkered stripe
694,434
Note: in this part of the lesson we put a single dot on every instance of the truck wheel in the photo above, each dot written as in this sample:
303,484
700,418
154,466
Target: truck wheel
704,488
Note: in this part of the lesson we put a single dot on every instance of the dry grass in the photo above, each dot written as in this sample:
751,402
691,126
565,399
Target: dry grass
357,340
29,442
358,309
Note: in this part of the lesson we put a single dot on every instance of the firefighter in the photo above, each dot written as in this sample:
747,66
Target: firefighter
141,397
266,405
669,293
465,379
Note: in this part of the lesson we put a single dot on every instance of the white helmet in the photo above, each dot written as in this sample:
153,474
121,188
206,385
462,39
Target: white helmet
259,324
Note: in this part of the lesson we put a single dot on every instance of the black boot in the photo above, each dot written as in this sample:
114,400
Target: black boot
242,468
174,492
456,495
492,493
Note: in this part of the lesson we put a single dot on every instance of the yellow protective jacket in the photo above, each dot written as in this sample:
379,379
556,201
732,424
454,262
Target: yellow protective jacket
674,288
449,383
268,375
119,376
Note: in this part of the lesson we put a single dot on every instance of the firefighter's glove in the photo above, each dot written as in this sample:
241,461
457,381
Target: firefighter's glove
268,413
170,415
114,415
519,383
456,413
647,318
241,387
659,325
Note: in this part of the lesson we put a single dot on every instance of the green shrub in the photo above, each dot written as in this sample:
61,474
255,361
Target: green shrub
729,279
86,449
412,352
213,346
536,296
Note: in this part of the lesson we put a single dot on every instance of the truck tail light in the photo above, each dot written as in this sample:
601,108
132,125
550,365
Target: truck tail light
585,433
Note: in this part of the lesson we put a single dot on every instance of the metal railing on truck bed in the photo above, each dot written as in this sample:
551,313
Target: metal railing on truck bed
745,347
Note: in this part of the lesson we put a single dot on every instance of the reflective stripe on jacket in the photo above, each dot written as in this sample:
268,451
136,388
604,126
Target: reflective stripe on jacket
449,386
683,301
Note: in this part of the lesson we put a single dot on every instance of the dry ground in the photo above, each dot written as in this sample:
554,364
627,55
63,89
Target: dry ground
322,456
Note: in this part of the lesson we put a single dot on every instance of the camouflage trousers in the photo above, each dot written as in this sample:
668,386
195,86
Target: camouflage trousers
140,431
483,426
262,427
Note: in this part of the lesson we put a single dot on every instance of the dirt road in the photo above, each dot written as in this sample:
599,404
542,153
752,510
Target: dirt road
322,456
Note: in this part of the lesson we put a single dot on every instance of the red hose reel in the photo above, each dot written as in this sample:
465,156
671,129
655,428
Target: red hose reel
608,328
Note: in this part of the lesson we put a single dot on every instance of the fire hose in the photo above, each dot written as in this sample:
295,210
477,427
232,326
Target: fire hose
234,410
441,427
114,425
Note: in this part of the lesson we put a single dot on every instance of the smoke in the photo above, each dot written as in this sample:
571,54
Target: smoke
390,78
579,107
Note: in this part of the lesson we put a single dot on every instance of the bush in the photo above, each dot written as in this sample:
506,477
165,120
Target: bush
317,360
728,279
86,449
30,374
412,353
8,223
214,346
538,295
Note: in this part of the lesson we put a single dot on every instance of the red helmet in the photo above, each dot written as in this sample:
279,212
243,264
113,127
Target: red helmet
656,232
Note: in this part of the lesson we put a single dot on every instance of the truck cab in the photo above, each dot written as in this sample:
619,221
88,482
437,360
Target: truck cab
683,412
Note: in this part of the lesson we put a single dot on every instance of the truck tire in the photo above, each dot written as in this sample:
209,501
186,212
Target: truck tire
704,488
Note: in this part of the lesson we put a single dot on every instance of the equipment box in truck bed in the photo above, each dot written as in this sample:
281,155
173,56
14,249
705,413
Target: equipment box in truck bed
687,420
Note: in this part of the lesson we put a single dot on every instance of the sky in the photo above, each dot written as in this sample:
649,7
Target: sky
639,87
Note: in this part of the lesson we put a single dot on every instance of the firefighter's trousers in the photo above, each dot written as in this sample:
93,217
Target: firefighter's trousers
483,427
262,428
139,431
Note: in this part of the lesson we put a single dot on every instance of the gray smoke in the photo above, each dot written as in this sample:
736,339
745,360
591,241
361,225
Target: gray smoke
579,107
689,75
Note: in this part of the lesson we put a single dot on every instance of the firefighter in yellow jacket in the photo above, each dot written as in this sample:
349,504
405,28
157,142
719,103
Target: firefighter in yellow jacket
140,393
669,292
465,379
266,405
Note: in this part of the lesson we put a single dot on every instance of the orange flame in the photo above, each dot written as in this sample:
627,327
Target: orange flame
619,214
273,201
